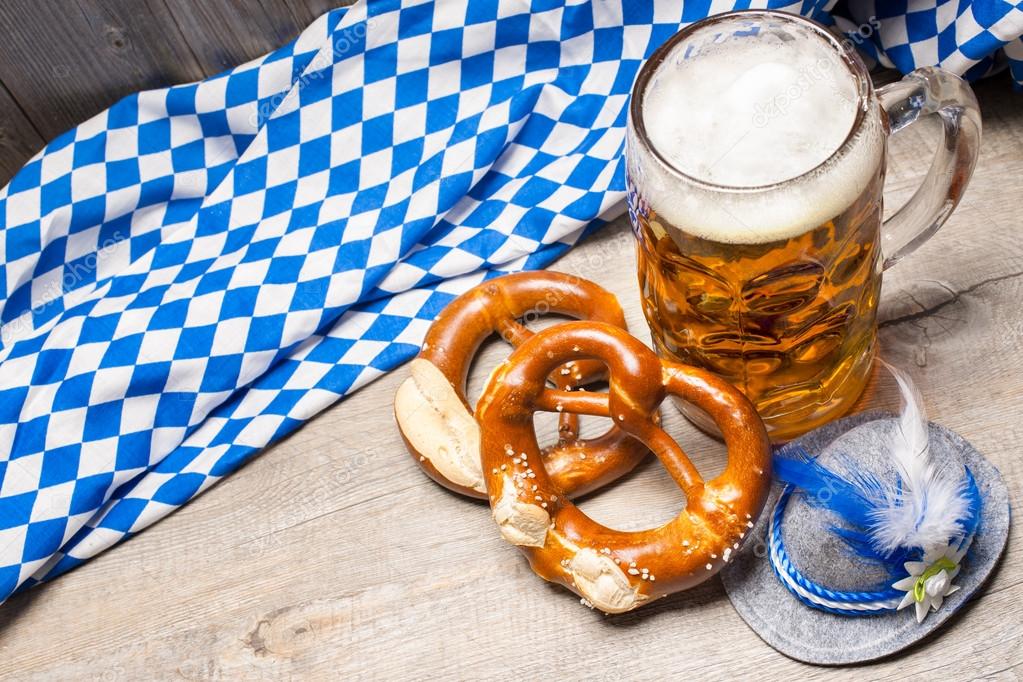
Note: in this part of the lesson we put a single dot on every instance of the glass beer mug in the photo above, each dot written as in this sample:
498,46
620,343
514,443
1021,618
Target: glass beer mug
755,162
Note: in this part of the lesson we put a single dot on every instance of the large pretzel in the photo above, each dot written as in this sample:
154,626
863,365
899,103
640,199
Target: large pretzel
612,570
435,418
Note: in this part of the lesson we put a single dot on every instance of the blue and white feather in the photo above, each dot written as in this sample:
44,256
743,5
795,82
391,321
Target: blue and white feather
929,503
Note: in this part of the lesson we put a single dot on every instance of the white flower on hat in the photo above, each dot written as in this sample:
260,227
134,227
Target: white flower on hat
930,580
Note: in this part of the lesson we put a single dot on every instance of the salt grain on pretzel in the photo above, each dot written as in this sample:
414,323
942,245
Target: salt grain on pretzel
435,418
610,569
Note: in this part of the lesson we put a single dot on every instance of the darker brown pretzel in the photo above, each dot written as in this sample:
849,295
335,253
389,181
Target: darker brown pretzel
612,570
435,418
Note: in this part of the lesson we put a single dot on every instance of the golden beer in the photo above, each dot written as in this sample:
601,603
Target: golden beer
790,323
755,165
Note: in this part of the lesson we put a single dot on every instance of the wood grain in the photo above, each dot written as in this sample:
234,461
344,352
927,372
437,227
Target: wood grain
67,61
63,61
19,139
332,556
223,34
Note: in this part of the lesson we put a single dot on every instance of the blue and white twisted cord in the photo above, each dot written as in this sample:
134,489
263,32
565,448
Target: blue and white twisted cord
848,603
813,594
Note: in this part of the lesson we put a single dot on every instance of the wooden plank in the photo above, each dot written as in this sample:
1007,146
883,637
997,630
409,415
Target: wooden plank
65,62
307,11
19,139
223,34
332,556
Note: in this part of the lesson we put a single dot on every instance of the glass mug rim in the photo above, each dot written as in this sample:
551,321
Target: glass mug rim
851,60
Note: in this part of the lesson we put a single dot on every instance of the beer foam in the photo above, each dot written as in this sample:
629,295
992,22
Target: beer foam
747,114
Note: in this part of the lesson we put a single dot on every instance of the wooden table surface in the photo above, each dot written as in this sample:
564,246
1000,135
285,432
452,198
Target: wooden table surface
332,556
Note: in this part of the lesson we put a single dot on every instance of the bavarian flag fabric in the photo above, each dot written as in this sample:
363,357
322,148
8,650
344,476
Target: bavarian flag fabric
198,270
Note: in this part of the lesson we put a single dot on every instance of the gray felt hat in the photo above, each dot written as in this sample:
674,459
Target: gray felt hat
779,609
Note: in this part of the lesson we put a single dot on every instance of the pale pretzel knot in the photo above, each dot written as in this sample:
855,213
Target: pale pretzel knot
616,571
435,418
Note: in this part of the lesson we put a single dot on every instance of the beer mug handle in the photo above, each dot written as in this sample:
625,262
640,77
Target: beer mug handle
931,91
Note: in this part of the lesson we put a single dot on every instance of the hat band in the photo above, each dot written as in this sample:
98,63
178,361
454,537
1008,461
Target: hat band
848,603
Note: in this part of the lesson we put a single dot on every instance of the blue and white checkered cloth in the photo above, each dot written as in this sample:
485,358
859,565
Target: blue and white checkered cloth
198,270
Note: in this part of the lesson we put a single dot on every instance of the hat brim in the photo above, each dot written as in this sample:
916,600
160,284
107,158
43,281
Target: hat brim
814,636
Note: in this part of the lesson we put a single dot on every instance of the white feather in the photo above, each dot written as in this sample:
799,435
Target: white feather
925,509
